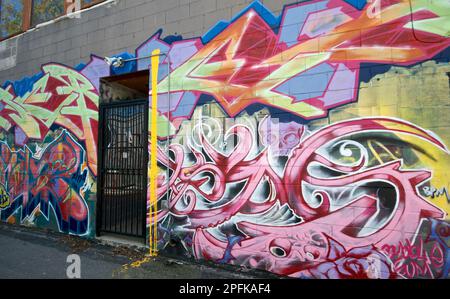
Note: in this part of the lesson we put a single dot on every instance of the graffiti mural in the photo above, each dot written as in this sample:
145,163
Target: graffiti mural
330,205
61,97
52,177
43,163
346,199
318,44
310,145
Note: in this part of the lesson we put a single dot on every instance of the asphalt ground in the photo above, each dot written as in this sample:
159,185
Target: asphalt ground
29,253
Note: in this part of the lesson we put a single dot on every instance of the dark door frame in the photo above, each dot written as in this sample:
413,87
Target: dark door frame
101,170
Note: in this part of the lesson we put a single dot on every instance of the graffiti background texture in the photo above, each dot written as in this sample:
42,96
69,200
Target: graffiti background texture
311,144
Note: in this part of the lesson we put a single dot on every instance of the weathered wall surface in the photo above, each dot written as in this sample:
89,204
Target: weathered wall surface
73,47
308,142
117,27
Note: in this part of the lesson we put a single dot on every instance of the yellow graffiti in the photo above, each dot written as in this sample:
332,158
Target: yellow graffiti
376,154
4,197
426,107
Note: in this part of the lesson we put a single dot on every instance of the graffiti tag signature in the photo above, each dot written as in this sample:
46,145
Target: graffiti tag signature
4,197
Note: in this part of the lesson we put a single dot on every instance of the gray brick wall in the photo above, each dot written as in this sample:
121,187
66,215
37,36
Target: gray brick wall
119,27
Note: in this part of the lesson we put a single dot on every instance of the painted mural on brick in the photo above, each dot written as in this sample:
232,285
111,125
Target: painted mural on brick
318,44
286,144
48,149
286,192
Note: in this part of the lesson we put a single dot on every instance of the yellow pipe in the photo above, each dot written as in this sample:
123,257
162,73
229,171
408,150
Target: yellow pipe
153,212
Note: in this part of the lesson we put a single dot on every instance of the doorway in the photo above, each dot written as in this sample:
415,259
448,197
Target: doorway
123,158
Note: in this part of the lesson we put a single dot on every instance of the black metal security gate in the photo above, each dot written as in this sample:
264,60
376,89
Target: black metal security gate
123,160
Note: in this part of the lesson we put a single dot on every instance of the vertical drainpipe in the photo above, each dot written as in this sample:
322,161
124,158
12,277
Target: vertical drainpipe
153,210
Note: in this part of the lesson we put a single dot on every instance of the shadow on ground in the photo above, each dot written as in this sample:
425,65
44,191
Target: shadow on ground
33,253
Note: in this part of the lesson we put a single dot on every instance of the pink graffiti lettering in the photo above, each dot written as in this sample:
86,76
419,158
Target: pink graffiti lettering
291,249
414,260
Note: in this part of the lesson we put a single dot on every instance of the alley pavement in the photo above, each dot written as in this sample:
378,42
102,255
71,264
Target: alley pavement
27,253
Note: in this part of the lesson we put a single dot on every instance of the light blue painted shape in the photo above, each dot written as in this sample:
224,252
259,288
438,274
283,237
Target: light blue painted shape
186,105
146,50
309,84
294,19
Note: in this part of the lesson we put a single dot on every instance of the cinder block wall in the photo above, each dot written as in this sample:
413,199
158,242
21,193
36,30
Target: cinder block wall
118,27
309,141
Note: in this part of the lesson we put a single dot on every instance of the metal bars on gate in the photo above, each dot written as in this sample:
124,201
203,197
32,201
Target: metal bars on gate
123,160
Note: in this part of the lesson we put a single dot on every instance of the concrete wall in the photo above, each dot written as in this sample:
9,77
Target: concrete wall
117,27
309,141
